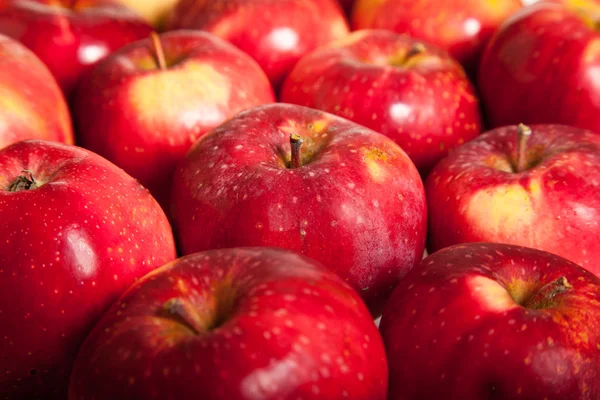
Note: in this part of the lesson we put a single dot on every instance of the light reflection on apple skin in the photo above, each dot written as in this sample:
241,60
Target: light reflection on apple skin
80,254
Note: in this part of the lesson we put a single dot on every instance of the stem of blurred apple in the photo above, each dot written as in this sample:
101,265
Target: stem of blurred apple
296,144
544,297
523,134
416,49
159,53
184,312
25,181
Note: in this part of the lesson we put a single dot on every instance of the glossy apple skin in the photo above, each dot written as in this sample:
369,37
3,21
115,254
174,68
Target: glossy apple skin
71,40
69,249
459,326
276,33
426,104
153,11
130,111
474,195
295,331
356,204
539,66
32,105
461,27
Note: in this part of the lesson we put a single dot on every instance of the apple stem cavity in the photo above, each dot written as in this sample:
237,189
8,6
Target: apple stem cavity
544,297
24,182
523,134
415,50
184,313
296,145
159,53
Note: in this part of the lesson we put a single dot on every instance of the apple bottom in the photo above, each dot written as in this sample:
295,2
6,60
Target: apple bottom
494,321
234,324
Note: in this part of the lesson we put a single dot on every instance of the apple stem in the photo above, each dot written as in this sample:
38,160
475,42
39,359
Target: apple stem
159,53
24,182
523,134
185,313
296,144
543,297
416,49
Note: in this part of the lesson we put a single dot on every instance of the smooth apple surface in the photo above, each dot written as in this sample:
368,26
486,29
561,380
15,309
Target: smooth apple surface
76,232
410,91
32,105
486,321
542,67
153,11
276,33
144,117
462,27
353,200
235,324
552,202
71,36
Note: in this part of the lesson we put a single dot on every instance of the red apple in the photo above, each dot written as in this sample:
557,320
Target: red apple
406,89
70,36
462,27
234,324
153,11
31,103
276,33
494,321
536,187
76,232
143,113
292,177
543,67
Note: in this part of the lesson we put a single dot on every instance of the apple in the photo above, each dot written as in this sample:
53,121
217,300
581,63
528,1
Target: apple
32,105
542,67
234,324
493,321
292,177
462,27
276,33
153,11
70,36
535,186
347,5
410,91
76,233
145,105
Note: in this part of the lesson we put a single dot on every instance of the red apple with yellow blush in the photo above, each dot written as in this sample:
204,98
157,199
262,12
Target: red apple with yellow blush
542,67
404,88
536,186
145,105
32,105
462,27
288,176
70,36
276,33
486,321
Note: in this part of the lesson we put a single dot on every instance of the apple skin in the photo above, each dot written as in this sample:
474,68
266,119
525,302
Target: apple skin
424,102
478,321
474,194
71,40
461,27
153,11
32,105
541,64
69,249
276,33
356,204
235,324
130,111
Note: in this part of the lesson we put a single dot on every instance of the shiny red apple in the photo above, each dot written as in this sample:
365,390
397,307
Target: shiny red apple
32,105
153,11
235,324
535,186
76,232
145,105
493,321
410,91
542,67
70,36
292,177
462,27
276,33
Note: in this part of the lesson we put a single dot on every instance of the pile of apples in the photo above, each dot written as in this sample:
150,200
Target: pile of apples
299,199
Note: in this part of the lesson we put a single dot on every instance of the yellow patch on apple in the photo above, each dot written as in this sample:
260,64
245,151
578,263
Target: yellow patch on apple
15,107
490,294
